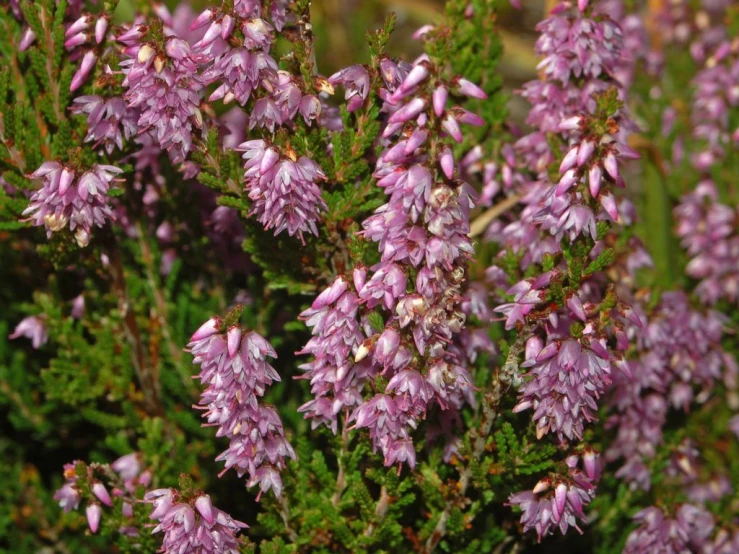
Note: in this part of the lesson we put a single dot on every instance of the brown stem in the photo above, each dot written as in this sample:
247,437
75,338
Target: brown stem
490,413
53,80
285,515
160,302
482,221
146,375
341,476
380,511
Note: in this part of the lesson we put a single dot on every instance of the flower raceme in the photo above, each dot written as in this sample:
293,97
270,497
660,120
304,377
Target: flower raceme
70,198
233,366
421,230
194,525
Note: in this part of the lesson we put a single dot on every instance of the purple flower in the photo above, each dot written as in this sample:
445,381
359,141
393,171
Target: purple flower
109,122
563,383
234,367
68,495
356,82
165,88
66,201
34,328
336,378
717,93
680,355
283,190
708,230
556,502
240,72
192,526
688,531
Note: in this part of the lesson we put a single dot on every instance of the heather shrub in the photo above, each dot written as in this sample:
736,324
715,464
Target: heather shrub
408,317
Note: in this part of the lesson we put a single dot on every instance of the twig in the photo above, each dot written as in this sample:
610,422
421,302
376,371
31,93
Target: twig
341,476
285,515
146,376
161,307
489,415
382,506
53,80
482,221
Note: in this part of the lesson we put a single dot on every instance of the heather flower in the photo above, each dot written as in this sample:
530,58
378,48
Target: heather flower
563,383
558,501
355,80
34,328
716,95
69,495
109,122
128,466
390,421
688,531
424,225
78,307
681,354
83,72
65,200
708,229
233,365
240,72
336,378
283,190
165,87
575,46
194,525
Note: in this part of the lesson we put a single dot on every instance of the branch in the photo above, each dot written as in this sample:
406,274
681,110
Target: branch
146,376
341,476
285,515
490,412
161,308
482,221
382,506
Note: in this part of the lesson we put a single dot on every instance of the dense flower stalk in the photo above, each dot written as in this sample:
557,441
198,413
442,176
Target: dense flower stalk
164,85
233,365
558,501
708,229
109,121
283,188
422,231
688,531
570,357
70,198
681,360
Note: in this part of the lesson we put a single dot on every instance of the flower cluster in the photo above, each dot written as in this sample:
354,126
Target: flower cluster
233,365
688,531
67,199
680,351
717,93
81,477
283,189
109,122
421,233
164,86
192,525
567,373
708,229
558,501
